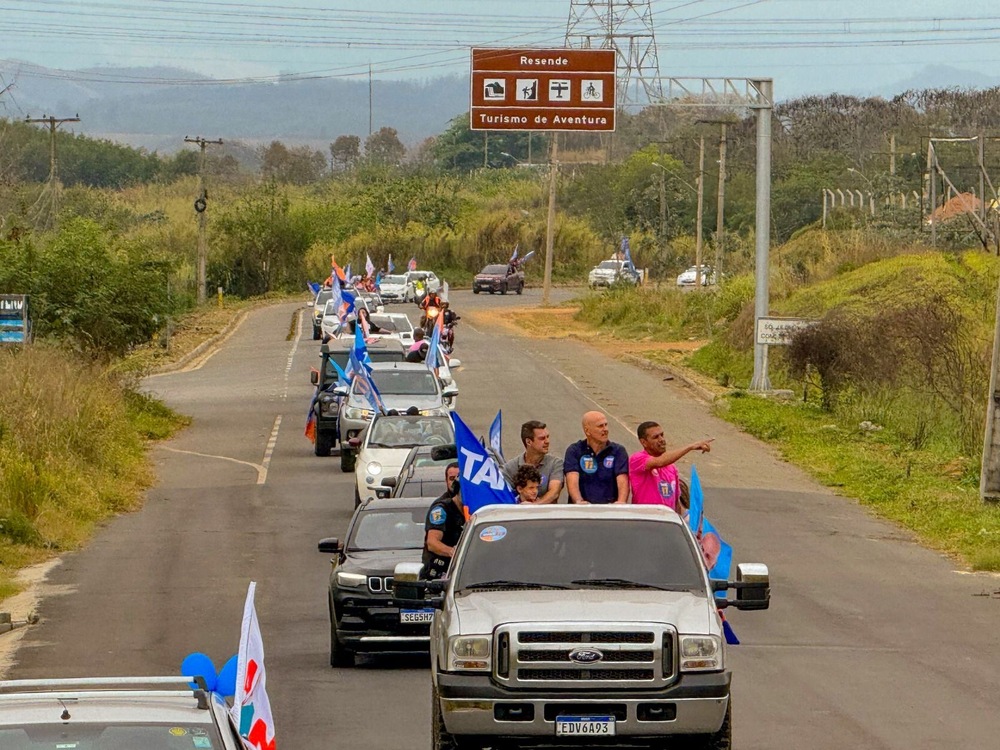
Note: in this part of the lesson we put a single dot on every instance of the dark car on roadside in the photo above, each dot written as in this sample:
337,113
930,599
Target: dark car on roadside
498,277
326,403
363,616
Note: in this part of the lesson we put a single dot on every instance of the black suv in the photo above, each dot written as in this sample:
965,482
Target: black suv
326,405
498,278
363,617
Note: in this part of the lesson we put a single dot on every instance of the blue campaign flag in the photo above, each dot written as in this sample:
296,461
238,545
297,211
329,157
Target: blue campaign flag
434,359
513,257
390,266
313,287
626,250
717,552
527,257
367,389
496,435
348,298
480,478
378,279
342,378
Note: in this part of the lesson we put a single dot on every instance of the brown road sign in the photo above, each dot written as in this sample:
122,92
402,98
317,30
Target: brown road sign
543,89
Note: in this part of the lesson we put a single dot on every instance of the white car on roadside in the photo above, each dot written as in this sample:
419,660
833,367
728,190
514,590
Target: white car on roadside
690,276
385,444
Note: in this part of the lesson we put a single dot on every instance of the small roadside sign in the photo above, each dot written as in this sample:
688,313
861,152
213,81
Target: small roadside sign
543,89
779,331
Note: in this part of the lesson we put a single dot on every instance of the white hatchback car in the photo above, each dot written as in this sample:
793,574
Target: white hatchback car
385,444
152,713
690,276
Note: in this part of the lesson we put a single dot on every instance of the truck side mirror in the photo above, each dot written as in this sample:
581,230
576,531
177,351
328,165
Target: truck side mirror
406,582
331,546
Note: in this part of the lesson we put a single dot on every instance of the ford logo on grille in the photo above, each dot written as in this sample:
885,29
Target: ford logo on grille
585,655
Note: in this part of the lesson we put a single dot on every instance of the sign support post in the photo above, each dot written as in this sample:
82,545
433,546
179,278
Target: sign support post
550,225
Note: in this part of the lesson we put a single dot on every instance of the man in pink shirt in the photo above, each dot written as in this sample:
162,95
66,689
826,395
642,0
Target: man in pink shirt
651,471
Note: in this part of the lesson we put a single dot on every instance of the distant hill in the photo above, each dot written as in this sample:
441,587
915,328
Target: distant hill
940,77
142,108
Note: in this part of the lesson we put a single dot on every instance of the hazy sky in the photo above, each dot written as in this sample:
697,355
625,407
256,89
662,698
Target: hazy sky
805,45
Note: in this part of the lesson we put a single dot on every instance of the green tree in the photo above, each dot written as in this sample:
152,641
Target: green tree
345,151
300,165
384,147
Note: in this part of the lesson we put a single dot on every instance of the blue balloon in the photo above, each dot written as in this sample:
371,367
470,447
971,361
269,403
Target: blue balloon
225,685
199,665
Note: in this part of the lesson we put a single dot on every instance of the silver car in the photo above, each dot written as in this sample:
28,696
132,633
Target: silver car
152,713
402,385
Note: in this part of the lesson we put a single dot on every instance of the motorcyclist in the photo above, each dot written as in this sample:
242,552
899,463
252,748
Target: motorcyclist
432,300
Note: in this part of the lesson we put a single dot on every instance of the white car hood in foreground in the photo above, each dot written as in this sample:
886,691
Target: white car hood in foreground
481,612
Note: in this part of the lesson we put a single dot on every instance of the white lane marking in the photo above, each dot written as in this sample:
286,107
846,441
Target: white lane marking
595,403
271,442
471,328
291,354
261,471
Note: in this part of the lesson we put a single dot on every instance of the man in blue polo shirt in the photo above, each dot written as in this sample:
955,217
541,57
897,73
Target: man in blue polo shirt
596,469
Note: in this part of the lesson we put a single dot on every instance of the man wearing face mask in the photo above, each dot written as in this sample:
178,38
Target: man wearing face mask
445,521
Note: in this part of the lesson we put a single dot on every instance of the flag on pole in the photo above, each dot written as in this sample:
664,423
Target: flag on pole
513,256
367,389
369,266
412,265
434,358
347,273
390,266
378,280
717,552
337,271
313,287
444,292
251,710
496,436
480,478
527,257
626,251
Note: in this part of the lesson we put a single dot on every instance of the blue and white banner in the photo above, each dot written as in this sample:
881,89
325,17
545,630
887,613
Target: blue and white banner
369,266
717,552
496,435
435,358
513,256
481,481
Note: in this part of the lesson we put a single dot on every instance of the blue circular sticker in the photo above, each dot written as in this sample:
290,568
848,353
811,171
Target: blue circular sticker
588,464
493,533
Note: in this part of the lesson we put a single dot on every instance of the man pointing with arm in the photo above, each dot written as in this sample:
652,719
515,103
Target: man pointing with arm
652,473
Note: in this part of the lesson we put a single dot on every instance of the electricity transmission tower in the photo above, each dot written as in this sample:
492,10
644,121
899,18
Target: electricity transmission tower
625,26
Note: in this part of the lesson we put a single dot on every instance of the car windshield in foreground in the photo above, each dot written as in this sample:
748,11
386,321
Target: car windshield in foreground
581,553
611,265
497,270
396,528
405,382
400,280
103,736
406,432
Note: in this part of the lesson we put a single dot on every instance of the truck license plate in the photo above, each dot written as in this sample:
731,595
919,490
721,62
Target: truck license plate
416,615
585,726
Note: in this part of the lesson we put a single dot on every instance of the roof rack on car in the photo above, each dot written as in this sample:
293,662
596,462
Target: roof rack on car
107,686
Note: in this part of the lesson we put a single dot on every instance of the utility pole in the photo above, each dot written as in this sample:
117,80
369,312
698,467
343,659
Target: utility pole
701,213
51,190
721,208
989,475
370,127
550,228
200,206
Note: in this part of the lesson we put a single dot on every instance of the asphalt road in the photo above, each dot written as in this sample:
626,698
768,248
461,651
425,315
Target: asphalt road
871,641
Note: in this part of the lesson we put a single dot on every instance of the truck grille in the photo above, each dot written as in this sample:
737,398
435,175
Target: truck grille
585,656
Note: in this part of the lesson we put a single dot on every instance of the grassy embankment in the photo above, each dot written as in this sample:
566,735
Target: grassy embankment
72,452
905,447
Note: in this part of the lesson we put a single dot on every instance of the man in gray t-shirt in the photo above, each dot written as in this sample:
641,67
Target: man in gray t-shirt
535,438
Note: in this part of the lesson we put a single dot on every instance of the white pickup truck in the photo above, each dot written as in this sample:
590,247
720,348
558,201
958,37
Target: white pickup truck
611,272
570,624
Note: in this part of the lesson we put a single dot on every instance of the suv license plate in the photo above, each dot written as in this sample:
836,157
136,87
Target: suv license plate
416,615
585,726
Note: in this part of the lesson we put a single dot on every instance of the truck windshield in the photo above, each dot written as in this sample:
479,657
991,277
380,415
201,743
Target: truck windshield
581,553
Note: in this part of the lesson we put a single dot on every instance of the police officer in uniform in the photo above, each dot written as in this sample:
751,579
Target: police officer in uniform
445,521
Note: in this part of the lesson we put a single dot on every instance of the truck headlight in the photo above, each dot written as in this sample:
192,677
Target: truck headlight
701,653
469,653
328,405
374,467
352,580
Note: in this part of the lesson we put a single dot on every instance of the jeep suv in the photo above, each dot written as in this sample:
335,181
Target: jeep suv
559,624
363,616
326,404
